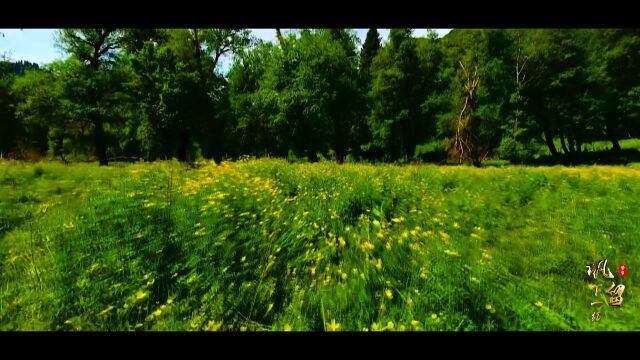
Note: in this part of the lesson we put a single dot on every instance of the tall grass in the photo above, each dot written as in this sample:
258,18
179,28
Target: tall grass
268,245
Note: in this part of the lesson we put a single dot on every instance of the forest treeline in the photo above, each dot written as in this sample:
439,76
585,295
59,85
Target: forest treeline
468,96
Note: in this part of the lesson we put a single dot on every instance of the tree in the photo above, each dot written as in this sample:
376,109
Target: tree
251,105
617,55
8,122
369,51
39,111
466,143
96,49
397,93
556,97
306,90
159,93
360,132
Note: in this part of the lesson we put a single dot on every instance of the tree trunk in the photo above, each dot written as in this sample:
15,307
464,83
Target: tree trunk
280,38
313,156
564,145
572,142
101,147
548,138
578,149
184,144
567,153
611,134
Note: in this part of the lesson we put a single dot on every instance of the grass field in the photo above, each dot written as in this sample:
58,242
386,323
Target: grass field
268,245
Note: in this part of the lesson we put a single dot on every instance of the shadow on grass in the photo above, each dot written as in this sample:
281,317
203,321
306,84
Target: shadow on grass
603,157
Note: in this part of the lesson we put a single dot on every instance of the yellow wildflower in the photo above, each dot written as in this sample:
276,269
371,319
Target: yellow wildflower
367,246
451,253
287,327
389,293
379,264
333,326
410,302
490,308
141,295
341,241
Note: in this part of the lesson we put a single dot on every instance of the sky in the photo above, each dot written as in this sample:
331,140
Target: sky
37,45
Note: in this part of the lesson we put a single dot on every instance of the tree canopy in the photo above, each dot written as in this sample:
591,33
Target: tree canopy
316,93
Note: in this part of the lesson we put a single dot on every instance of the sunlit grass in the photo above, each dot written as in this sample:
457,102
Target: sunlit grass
268,245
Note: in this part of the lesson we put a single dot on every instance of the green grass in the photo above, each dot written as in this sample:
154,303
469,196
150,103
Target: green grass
267,245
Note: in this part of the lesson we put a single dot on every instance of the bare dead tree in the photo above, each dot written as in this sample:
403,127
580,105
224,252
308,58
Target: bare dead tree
521,63
466,145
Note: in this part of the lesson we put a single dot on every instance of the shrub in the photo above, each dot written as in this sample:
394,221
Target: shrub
433,151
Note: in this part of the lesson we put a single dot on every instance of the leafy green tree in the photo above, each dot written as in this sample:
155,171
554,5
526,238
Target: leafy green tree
360,132
309,89
8,122
397,95
617,55
369,51
39,111
555,96
252,108
184,107
96,48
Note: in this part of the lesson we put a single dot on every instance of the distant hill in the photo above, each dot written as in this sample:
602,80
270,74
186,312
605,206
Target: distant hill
16,67
22,65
